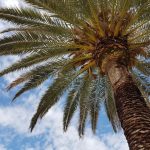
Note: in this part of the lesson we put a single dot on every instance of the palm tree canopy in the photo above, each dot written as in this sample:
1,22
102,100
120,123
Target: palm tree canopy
71,41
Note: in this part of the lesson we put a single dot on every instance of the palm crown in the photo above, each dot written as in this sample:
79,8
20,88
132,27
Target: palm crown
71,41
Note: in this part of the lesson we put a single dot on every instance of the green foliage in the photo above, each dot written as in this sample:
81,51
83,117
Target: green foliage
25,17
36,74
110,107
143,83
71,106
97,98
72,102
52,95
84,104
142,66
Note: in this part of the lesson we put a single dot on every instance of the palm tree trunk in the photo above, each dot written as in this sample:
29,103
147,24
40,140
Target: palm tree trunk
133,111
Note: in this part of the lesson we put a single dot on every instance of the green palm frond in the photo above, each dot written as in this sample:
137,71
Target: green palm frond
47,54
37,76
26,37
96,99
110,107
24,63
35,21
25,42
84,103
141,13
72,102
71,106
136,45
51,30
26,13
32,83
26,47
83,7
137,26
137,38
142,66
124,7
52,95
143,84
26,16
61,9
47,69
32,36
94,11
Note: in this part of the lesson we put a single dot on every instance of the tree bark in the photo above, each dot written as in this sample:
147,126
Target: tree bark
133,111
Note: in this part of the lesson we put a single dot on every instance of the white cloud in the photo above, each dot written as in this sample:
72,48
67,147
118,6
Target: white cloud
2,26
14,117
5,62
2,147
18,118
115,141
9,3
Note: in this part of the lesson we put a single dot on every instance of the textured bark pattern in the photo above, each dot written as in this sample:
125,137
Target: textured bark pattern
134,115
107,44
133,112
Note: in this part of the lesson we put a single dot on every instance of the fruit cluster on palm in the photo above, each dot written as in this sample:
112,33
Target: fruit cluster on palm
97,50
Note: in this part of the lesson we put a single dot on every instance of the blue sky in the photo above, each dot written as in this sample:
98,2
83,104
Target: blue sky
48,134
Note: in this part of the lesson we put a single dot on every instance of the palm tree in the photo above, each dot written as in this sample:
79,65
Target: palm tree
96,50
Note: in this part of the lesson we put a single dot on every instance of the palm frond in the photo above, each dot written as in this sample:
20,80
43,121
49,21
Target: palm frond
51,30
84,104
72,102
34,59
94,11
110,107
140,35
124,7
61,9
142,66
139,44
25,47
136,27
37,76
49,68
32,83
25,42
25,17
143,84
32,36
71,106
96,99
52,95
141,13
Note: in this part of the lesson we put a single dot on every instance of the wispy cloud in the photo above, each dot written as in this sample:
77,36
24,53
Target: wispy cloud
6,62
17,118
10,3
2,147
